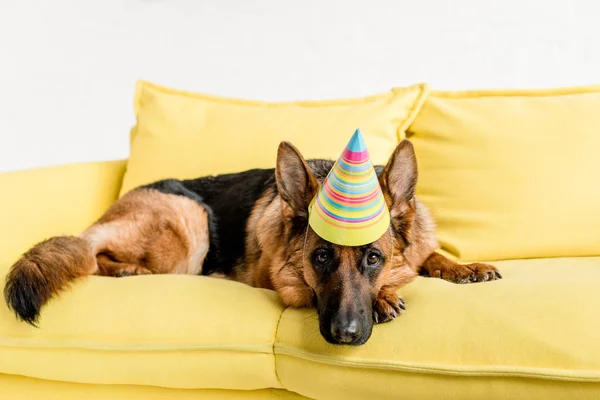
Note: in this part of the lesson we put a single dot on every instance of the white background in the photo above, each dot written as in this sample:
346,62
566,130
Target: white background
68,68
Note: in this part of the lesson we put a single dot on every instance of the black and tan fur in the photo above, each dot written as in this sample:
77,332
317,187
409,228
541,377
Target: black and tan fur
252,227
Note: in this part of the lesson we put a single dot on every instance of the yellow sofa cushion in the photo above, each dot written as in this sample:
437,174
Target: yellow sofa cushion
533,333
44,202
171,331
512,174
174,331
186,135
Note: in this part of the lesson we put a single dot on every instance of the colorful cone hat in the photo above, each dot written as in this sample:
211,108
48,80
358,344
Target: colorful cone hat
349,208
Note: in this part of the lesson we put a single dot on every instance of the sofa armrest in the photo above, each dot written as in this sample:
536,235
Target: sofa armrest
38,203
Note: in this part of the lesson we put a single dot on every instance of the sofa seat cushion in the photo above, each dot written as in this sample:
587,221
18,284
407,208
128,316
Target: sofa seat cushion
535,332
171,331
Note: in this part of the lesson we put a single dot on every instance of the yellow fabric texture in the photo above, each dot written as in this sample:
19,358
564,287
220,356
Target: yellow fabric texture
532,334
14,387
44,202
185,332
511,174
182,135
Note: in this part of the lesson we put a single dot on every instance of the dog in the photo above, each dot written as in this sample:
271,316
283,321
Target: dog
252,227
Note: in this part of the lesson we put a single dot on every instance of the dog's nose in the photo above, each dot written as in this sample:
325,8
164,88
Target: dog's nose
345,330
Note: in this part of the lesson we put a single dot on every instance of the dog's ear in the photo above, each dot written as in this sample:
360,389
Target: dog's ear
398,181
296,183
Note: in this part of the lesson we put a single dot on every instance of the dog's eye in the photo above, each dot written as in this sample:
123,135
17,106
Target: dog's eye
322,257
373,259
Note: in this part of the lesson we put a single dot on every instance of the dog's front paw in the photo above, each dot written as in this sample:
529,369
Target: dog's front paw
387,306
483,272
469,273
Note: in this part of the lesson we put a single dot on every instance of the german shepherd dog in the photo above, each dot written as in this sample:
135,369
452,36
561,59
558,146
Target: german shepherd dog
252,227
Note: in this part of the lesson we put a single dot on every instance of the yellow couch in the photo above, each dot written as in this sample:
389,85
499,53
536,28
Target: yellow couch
532,335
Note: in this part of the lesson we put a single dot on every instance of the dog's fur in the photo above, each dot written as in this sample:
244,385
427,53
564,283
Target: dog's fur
252,227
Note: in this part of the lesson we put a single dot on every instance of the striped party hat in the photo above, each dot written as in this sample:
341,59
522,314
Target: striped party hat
349,208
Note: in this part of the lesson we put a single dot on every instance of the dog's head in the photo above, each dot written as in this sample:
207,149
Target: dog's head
343,281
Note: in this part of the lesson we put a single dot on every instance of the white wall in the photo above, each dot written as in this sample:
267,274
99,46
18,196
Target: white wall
68,68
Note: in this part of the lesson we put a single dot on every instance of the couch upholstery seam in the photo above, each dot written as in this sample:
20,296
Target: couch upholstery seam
408,367
306,103
516,93
413,112
260,348
275,345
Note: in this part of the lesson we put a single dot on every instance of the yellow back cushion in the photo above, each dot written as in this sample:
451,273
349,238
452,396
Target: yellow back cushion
187,135
512,174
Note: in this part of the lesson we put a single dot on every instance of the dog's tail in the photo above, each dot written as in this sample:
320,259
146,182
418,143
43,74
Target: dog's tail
43,271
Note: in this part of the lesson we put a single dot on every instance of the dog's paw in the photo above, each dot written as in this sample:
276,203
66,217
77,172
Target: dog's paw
131,270
468,273
387,306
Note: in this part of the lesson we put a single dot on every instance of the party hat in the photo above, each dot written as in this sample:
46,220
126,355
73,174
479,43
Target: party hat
349,208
